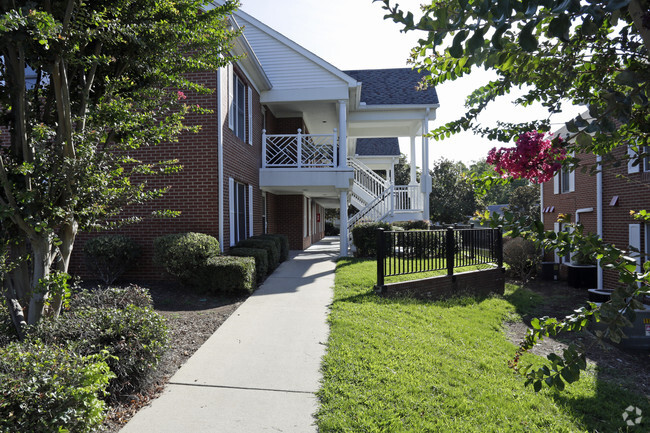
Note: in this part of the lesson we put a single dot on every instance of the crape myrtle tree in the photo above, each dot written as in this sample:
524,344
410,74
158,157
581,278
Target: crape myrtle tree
83,85
594,53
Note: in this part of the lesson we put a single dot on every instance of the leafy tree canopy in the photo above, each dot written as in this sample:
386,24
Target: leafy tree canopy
593,53
82,85
452,197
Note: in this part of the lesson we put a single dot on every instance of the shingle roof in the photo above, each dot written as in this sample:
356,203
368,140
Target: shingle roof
392,87
377,146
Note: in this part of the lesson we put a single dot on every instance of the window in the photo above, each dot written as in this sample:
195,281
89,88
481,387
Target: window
240,96
636,165
646,158
239,218
564,181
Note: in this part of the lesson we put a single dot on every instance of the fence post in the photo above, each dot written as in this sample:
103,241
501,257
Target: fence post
449,244
499,246
381,254
263,148
299,149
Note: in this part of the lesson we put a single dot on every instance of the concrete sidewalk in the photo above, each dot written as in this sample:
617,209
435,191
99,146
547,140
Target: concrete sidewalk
260,370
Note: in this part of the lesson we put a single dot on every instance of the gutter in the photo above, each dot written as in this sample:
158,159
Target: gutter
599,214
220,156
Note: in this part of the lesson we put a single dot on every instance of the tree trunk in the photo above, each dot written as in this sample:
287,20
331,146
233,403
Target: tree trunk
67,237
41,261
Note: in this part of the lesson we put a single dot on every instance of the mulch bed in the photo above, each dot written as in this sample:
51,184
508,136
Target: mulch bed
631,369
192,318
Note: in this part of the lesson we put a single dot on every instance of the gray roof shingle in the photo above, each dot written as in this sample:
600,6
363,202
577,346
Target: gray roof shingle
393,87
377,146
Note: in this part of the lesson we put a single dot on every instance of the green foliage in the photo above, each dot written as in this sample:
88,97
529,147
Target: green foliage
111,297
330,230
593,54
269,245
364,237
498,193
524,202
403,171
134,337
413,225
109,256
227,274
182,254
261,260
281,241
522,257
452,197
109,77
47,389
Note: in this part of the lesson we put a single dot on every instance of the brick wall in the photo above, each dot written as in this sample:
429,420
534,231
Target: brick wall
474,283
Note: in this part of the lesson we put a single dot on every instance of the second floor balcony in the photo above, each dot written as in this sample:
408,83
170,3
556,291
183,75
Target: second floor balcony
302,151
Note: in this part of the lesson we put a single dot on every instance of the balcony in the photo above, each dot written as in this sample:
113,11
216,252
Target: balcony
299,150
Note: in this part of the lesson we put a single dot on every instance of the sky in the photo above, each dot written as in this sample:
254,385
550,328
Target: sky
352,34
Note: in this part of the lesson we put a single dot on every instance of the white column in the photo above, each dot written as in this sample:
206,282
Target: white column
425,177
413,165
343,134
343,216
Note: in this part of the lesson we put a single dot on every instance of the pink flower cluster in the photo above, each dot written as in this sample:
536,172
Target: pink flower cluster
180,95
535,158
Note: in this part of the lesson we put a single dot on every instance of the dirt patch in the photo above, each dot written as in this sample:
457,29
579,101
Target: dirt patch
191,318
630,369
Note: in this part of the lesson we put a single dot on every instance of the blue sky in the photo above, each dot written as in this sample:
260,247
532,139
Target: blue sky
352,34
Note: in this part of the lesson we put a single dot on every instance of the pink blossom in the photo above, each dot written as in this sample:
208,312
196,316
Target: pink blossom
535,158
181,95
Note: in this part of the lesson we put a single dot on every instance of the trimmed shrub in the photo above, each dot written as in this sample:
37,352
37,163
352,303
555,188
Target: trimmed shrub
282,242
522,256
228,274
413,225
364,238
110,256
135,337
111,297
331,230
261,260
50,389
266,244
181,254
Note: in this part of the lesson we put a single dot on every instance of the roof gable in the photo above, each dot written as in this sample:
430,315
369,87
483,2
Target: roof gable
393,87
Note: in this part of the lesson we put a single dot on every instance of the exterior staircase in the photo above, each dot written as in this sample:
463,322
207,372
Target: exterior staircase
379,200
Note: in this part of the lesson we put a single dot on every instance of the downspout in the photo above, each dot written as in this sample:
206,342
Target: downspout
220,157
599,214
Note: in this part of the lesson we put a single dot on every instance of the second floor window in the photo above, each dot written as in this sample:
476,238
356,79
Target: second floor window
239,108
240,103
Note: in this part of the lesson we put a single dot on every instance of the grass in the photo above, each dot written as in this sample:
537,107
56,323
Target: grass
413,366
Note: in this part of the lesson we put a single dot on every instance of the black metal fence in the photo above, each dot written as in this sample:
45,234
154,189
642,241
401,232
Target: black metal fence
416,251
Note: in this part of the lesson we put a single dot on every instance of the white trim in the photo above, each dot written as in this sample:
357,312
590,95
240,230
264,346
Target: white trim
556,182
231,210
220,155
634,235
231,97
250,210
633,156
250,115
556,228
572,181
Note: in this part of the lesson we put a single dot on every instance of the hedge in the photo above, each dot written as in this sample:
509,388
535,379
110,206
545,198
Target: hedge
281,241
110,256
261,260
135,337
182,254
267,244
228,274
49,389
364,237
111,297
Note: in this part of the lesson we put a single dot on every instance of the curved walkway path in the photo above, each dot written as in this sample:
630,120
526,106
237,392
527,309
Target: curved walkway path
260,370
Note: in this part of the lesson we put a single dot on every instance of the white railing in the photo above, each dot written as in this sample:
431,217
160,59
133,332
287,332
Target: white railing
368,179
376,210
407,198
299,150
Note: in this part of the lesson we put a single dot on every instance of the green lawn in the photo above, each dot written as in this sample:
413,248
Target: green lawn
413,366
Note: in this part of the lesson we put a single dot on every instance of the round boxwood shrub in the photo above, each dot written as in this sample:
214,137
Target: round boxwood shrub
261,260
134,337
181,254
110,256
50,389
228,274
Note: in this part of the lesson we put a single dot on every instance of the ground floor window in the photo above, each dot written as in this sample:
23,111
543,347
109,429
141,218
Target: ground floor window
239,220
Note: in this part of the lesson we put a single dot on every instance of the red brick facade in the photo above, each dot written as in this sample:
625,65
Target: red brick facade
195,190
622,192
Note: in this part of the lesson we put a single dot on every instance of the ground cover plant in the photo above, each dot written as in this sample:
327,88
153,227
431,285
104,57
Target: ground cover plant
401,365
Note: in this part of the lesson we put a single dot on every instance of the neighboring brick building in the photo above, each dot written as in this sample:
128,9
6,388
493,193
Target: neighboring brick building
280,147
602,203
